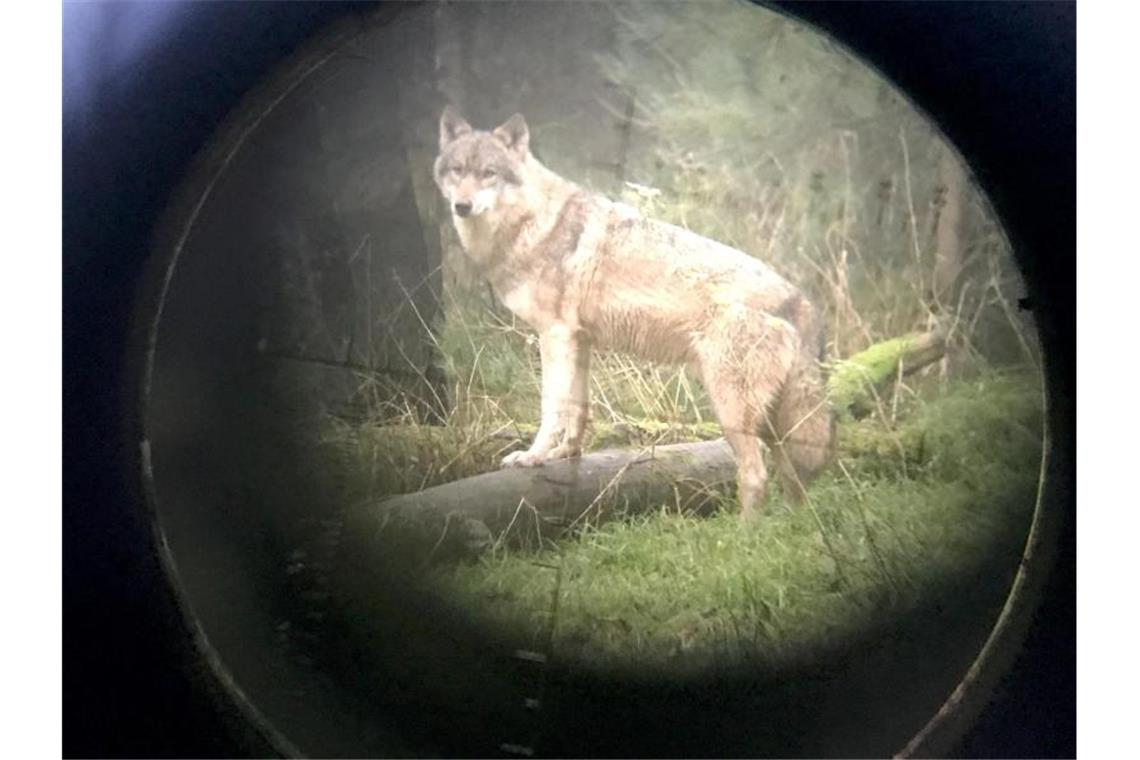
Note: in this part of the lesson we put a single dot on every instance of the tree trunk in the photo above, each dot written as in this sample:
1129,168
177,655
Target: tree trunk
454,27
948,233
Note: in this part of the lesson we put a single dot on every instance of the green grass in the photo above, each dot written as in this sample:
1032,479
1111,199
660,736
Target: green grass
948,490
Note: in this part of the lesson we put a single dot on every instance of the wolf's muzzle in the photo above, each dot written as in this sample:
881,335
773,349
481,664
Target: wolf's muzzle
463,209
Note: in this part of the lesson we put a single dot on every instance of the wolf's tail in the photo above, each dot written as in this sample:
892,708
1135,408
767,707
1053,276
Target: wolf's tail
803,426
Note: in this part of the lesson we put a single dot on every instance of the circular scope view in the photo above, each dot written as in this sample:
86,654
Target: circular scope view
583,379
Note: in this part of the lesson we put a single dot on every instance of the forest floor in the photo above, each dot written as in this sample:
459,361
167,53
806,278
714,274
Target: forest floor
949,485
844,622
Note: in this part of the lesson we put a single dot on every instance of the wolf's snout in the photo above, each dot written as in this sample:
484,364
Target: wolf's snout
463,209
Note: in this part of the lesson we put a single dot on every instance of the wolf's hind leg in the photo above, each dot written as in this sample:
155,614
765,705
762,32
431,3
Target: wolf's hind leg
744,360
740,419
752,475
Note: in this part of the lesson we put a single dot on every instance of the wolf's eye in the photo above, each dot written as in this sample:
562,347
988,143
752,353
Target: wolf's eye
488,174
453,170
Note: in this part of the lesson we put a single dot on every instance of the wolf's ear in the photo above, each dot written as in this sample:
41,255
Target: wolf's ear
451,126
514,134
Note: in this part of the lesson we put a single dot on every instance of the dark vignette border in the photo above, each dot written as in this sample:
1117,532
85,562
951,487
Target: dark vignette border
1000,81
998,78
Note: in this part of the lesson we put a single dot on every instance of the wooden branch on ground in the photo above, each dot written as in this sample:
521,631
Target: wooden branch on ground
527,505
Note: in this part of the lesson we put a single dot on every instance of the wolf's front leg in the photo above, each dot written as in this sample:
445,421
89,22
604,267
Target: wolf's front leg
565,387
575,411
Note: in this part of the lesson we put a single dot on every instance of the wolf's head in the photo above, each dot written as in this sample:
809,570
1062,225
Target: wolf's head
479,172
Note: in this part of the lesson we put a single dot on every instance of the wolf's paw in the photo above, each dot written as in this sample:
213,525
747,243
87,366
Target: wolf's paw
523,459
564,451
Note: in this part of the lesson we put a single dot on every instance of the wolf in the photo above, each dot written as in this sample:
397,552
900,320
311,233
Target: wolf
588,273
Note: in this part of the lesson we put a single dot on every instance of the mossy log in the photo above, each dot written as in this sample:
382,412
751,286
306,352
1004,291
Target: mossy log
524,506
855,382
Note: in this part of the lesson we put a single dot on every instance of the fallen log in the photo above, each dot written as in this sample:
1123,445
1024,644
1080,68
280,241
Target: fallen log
525,506
855,382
